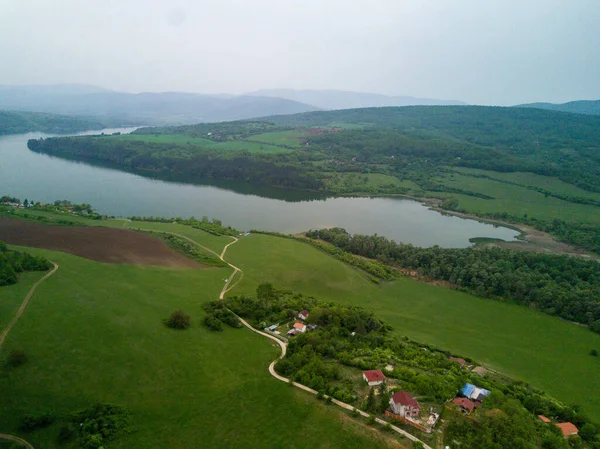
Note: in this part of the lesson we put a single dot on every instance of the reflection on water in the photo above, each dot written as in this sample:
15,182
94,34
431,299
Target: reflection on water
39,177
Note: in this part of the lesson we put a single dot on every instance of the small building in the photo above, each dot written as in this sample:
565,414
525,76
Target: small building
542,418
403,404
311,327
474,393
568,429
466,405
458,360
303,315
292,332
480,371
272,328
373,377
300,327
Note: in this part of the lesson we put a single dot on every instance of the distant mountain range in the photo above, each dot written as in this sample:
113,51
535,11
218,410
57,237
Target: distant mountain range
339,99
588,107
165,108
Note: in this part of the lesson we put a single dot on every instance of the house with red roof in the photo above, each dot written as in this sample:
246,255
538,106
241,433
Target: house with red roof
300,327
458,360
542,418
466,405
568,429
303,315
404,404
373,377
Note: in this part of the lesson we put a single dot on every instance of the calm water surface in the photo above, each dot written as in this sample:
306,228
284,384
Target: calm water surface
38,177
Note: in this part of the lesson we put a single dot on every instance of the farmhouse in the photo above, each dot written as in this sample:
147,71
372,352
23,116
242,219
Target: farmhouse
404,404
543,419
303,315
568,429
373,377
299,327
466,405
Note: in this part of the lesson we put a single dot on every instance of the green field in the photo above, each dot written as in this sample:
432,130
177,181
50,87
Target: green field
291,138
89,340
184,139
516,200
525,344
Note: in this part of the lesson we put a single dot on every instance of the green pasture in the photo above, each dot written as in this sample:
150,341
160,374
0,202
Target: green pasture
523,343
292,138
93,333
516,200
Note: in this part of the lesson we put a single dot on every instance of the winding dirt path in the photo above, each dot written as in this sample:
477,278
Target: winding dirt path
24,304
283,346
4,436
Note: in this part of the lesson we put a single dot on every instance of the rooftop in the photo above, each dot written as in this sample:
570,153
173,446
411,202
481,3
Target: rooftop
374,375
567,428
404,398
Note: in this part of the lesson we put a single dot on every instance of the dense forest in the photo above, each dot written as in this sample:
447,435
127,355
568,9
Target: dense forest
356,338
14,262
18,122
564,286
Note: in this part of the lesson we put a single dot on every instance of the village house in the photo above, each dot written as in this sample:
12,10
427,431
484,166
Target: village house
458,360
403,404
474,393
303,315
299,327
568,429
466,405
542,418
373,377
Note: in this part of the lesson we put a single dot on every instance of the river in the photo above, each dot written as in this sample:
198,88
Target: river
43,178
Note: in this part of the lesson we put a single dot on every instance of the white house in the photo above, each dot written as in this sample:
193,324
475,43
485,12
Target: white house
404,404
300,327
373,377
303,315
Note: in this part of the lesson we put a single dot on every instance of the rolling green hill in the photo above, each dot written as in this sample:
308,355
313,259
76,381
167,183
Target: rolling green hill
590,107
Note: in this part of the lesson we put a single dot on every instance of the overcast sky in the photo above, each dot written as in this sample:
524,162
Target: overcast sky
477,51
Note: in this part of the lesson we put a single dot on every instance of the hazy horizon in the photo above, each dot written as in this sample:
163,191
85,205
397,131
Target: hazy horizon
495,52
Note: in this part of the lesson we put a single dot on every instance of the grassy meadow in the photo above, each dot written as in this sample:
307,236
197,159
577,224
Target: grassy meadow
523,343
93,333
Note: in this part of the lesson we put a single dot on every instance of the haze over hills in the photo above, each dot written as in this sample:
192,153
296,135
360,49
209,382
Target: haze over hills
589,107
148,108
339,99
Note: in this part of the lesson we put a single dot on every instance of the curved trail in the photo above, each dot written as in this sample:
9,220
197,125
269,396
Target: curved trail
24,304
283,347
4,436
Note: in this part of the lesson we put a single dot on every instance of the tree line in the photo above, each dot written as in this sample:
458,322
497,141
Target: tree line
14,262
568,287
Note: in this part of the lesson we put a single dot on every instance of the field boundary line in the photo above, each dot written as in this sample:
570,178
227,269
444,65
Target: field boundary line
283,346
4,436
24,304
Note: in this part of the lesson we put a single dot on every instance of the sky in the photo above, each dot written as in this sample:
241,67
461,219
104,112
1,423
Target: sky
479,51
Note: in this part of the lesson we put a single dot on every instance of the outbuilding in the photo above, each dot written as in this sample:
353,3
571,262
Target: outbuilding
374,377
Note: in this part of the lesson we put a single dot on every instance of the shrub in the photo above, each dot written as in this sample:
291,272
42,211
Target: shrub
371,419
16,357
594,353
213,323
179,320
387,427
36,421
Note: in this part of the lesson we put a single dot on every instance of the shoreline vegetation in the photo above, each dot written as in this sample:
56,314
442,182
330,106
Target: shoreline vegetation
525,167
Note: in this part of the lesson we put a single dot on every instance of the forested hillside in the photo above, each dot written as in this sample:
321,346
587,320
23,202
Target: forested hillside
18,122
590,107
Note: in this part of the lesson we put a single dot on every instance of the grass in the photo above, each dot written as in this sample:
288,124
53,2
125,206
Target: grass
523,343
291,138
12,296
517,201
93,332
183,139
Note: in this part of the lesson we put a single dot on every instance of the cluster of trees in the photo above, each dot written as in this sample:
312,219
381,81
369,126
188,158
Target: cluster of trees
18,122
355,337
214,226
14,262
217,315
564,286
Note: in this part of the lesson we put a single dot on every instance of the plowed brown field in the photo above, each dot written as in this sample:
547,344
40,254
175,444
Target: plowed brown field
100,244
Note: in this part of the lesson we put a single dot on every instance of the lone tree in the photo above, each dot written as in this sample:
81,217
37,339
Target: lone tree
179,320
16,357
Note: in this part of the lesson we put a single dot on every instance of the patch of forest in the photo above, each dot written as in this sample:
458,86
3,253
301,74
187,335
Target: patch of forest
19,122
563,286
14,262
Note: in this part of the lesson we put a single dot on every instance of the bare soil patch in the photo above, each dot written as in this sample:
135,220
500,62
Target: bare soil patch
100,244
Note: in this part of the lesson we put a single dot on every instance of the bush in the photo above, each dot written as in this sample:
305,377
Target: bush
371,419
179,320
594,353
36,421
213,323
17,357
387,427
